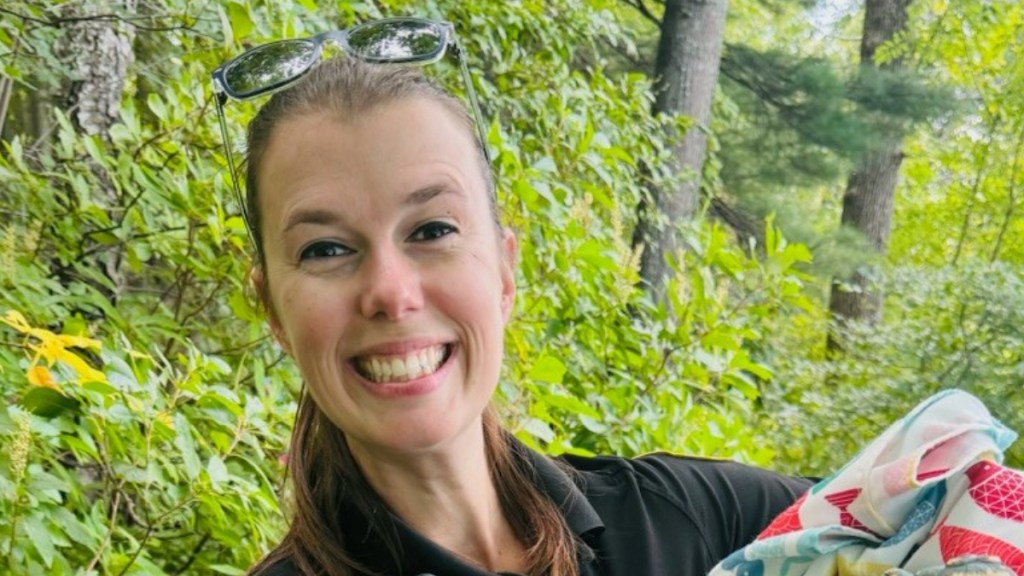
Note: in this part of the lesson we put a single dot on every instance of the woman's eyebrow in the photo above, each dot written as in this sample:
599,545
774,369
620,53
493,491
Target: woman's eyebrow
321,216
313,216
428,193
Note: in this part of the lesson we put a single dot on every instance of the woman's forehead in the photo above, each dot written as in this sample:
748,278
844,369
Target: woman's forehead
396,148
410,126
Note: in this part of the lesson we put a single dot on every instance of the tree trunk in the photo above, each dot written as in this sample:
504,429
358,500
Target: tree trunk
98,51
686,72
868,200
96,46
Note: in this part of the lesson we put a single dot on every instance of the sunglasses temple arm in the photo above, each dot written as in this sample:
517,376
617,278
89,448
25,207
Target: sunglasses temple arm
473,103
221,97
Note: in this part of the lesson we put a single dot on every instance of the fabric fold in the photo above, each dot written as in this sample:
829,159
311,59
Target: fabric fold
928,490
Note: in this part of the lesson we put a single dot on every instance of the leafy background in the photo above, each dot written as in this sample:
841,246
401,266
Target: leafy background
147,413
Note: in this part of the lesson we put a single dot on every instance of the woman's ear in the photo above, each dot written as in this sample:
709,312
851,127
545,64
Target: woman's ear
259,284
509,261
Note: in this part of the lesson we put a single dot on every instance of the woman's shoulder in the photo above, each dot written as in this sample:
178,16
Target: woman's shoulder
665,467
722,503
686,481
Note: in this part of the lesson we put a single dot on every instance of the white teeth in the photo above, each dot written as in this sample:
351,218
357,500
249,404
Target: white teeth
402,368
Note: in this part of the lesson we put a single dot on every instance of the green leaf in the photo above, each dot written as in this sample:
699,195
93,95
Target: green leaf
571,404
539,429
75,528
157,106
218,471
44,481
40,538
186,445
47,402
743,383
240,19
103,388
548,369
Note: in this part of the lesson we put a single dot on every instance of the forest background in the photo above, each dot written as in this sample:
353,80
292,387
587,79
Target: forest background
146,415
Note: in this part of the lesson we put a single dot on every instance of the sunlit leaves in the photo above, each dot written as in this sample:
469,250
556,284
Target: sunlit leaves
54,348
150,411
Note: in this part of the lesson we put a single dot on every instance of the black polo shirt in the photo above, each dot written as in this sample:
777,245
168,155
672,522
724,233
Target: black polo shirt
651,516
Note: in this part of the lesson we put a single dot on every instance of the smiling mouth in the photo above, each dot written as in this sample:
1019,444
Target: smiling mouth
405,367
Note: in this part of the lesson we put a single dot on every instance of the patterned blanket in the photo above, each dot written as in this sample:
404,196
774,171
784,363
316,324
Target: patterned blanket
928,491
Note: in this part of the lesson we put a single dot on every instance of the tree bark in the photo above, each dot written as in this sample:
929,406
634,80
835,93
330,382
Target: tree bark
98,53
97,49
686,73
870,190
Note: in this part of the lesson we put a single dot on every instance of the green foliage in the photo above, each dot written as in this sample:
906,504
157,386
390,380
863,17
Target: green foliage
788,122
147,412
157,465
641,378
952,279
946,328
147,438
156,450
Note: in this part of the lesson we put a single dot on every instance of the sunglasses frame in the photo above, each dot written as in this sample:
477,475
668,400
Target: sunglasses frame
449,44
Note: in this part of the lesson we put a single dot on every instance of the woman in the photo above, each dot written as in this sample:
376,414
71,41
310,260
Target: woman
389,281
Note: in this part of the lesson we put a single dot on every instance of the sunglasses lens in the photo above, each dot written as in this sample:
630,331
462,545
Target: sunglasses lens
397,41
270,65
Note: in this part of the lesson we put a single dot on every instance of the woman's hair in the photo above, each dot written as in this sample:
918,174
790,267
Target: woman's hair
326,478
345,87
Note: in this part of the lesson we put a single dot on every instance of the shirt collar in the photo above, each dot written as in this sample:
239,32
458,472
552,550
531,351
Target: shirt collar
422,556
555,481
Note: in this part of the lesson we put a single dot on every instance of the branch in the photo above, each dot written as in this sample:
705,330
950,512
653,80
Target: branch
635,61
110,531
1012,200
975,186
195,553
744,225
186,501
644,11
7,86
16,345
58,22
206,301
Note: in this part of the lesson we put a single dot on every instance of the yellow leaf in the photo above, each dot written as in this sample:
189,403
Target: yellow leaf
85,372
165,419
15,320
41,376
78,342
135,404
139,355
54,347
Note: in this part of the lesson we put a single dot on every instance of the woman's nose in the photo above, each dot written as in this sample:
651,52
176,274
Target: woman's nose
391,287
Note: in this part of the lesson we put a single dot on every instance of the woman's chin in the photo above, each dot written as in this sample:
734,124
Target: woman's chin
419,435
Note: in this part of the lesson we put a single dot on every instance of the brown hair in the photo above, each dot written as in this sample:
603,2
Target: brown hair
324,474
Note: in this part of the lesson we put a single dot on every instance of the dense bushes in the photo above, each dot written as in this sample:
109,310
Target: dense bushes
147,413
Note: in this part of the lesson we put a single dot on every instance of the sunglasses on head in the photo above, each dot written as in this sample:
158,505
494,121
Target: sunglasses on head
271,67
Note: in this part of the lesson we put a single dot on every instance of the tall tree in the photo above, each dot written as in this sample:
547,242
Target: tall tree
870,189
686,73
97,48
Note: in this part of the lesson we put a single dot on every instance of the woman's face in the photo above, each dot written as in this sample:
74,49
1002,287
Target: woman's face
389,281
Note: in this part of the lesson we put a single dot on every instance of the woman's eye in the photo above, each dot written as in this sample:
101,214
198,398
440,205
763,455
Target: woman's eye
433,231
322,250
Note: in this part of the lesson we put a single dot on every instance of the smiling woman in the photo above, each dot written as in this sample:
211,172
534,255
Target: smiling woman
380,251
389,280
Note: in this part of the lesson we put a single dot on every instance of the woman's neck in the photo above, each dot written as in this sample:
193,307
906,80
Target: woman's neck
449,496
